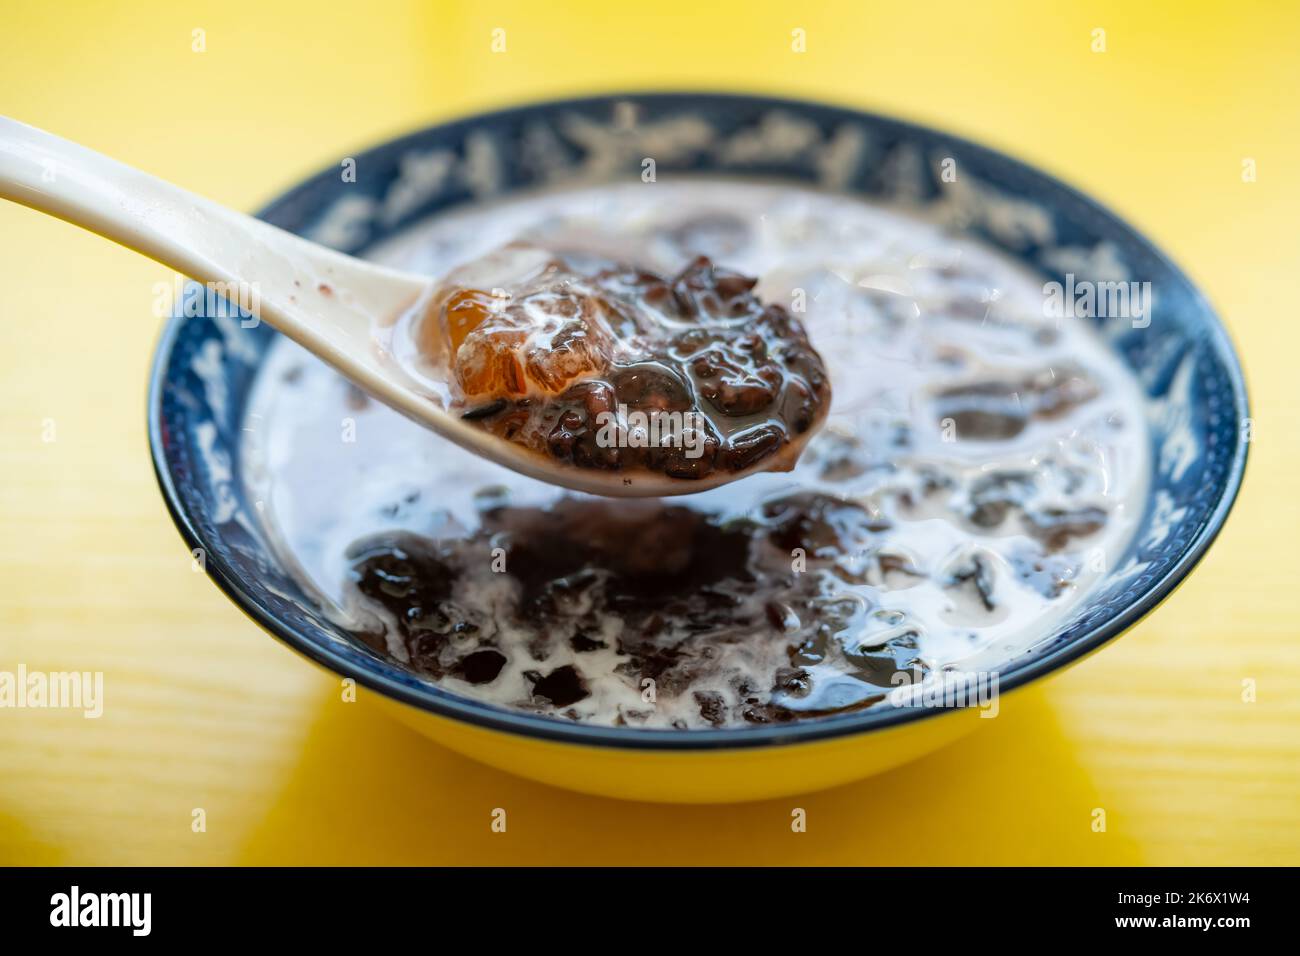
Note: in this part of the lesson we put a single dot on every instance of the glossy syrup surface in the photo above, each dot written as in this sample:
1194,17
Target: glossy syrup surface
980,469
604,365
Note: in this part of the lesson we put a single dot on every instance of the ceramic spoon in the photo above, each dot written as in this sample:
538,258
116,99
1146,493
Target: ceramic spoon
327,302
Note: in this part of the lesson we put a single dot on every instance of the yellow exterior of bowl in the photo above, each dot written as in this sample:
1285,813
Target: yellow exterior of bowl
694,776
715,775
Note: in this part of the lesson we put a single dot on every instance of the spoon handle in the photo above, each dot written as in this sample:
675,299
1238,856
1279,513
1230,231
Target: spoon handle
321,298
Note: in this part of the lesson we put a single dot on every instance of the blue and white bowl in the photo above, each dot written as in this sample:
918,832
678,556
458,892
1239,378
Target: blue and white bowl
1183,360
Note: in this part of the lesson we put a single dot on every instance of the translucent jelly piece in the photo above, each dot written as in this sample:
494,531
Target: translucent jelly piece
467,309
539,329
544,342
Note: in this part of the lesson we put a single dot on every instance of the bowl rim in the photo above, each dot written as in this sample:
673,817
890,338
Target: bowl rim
428,698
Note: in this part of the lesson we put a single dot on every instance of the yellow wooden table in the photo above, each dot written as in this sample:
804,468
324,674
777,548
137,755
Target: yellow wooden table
202,710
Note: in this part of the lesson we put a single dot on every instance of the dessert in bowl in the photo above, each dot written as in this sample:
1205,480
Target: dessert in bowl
1002,462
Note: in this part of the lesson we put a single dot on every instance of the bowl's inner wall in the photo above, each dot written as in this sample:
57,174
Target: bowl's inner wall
1178,350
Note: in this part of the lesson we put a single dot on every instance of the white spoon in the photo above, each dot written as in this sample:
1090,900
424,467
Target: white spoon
327,302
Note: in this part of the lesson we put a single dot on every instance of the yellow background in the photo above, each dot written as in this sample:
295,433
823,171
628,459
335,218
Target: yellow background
204,710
